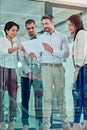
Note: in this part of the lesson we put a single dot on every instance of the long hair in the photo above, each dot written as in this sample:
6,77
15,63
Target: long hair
77,21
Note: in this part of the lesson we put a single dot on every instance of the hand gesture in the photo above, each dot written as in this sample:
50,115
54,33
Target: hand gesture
47,47
21,48
32,55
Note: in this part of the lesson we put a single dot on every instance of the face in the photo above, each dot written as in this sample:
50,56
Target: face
71,27
47,25
31,29
12,32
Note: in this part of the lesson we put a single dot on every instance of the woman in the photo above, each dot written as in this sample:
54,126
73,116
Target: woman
8,63
76,27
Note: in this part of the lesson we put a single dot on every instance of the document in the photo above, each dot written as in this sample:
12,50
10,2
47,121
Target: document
34,45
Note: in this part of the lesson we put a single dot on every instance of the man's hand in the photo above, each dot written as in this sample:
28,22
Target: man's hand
32,55
47,47
31,76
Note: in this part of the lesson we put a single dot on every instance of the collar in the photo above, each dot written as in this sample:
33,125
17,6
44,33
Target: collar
50,33
35,37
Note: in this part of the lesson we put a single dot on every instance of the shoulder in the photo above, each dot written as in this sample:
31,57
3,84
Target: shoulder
61,35
3,39
42,36
81,33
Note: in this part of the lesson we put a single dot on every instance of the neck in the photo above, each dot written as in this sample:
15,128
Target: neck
9,38
51,31
33,35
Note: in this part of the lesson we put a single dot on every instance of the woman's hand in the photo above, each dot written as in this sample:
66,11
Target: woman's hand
76,73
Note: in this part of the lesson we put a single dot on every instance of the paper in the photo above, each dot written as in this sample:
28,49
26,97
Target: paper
34,45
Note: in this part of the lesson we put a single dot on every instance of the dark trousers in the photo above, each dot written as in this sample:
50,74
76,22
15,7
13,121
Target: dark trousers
25,92
80,100
8,79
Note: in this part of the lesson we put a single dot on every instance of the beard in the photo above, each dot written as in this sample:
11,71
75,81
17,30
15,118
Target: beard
47,29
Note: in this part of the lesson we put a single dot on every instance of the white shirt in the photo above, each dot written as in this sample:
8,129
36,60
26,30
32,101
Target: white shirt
7,60
80,48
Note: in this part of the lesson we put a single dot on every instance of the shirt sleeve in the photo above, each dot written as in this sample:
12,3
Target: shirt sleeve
80,48
63,52
3,49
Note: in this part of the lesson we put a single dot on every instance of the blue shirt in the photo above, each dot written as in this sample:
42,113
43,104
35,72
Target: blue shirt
58,42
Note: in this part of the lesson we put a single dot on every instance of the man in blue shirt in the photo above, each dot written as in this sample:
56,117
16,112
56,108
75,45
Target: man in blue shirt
52,71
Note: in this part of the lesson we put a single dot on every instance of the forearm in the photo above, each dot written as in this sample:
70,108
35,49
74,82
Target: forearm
61,53
11,50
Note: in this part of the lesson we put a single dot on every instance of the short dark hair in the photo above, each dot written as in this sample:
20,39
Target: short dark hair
29,21
9,25
50,17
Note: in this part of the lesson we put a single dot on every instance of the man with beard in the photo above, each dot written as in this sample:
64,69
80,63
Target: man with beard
52,71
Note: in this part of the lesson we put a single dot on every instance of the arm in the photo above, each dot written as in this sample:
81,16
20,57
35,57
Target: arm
11,50
64,51
61,53
80,48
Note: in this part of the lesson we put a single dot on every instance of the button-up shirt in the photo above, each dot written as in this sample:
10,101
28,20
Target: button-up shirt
58,42
7,60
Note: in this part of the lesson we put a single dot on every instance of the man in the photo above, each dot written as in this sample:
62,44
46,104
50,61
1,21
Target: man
52,71
30,77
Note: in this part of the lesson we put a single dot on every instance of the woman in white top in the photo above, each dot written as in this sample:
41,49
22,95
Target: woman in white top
8,64
76,27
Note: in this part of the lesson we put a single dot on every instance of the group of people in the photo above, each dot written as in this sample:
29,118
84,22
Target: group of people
42,71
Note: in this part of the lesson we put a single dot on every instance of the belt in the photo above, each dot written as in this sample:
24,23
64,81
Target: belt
49,64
